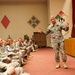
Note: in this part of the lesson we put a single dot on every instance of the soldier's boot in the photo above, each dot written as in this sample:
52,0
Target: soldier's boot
64,65
23,62
57,65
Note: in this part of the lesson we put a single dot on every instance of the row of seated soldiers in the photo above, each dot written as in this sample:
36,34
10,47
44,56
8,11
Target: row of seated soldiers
14,54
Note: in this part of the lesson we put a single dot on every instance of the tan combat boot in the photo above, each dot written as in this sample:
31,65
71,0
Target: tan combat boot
58,65
64,65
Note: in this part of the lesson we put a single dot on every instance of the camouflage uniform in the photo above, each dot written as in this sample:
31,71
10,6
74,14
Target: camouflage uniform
57,40
20,71
8,66
2,67
3,54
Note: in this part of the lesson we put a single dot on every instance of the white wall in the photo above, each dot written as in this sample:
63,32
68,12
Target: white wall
19,14
67,8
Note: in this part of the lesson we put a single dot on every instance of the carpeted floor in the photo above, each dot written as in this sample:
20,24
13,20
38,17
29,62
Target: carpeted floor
42,62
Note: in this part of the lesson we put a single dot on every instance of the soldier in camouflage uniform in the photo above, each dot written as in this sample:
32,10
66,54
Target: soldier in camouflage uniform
57,40
1,46
3,52
9,62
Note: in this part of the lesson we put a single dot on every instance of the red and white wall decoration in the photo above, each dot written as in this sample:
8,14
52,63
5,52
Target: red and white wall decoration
5,21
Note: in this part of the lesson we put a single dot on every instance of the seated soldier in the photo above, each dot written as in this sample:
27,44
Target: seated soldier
8,46
26,37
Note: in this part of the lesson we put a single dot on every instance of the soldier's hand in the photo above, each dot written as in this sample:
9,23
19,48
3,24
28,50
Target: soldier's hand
24,47
17,49
67,24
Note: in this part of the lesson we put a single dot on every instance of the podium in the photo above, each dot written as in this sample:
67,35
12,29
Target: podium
40,39
70,46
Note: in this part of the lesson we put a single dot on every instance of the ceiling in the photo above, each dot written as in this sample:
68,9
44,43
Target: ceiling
4,1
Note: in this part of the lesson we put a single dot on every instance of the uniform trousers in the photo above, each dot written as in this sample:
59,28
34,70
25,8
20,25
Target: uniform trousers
59,48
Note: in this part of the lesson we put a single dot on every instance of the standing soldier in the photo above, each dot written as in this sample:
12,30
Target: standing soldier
57,40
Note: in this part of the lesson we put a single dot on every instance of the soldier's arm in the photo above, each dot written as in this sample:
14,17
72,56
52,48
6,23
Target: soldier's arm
8,48
48,30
